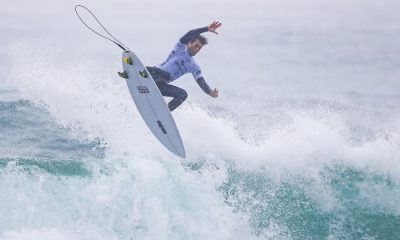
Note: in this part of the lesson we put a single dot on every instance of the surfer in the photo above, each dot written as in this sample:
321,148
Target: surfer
179,62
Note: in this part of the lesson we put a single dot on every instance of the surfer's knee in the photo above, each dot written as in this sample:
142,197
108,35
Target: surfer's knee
179,98
183,95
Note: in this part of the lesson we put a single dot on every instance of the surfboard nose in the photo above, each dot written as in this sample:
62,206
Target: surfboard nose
182,153
178,149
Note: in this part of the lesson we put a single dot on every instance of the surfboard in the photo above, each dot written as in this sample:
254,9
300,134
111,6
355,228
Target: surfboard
151,104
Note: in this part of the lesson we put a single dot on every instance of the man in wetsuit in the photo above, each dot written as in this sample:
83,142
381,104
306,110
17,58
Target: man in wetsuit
179,62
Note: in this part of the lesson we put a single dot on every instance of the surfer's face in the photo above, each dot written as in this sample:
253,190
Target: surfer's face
194,47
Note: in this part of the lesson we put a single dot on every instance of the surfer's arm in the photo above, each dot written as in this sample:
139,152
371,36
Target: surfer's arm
192,34
202,83
195,32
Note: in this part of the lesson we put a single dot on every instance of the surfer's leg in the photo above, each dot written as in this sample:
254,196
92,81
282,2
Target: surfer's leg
178,94
158,74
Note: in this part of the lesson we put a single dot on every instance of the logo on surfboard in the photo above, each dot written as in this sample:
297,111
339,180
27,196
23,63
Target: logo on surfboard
143,89
161,126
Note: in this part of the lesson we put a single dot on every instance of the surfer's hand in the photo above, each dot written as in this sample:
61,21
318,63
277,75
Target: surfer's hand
214,93
213,26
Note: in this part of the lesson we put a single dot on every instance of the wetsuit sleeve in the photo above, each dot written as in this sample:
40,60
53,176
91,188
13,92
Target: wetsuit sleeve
192,34
202,83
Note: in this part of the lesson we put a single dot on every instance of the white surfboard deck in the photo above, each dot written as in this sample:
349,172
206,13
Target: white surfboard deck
151,104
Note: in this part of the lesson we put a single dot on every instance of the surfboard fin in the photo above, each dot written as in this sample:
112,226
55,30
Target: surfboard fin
123,74
144,74
127,60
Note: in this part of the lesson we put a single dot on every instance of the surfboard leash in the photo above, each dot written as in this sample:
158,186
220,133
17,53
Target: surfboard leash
114,40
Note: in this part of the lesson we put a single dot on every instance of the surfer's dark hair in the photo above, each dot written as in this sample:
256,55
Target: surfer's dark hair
203,40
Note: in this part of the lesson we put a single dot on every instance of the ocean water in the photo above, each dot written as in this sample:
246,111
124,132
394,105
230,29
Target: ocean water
303,142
